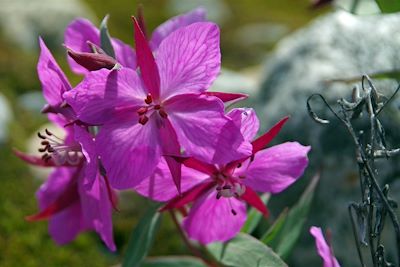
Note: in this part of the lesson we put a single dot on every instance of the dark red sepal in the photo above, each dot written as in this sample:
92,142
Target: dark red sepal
262,141
254,200
188,196
146,62
66,199
226,97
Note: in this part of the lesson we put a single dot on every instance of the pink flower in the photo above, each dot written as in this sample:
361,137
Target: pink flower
75,197
164,111
323,249
219,191
81,31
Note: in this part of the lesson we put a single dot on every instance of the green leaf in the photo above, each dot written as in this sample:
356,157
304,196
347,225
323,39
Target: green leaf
105,38
142,238
254,216
173,261
275,229
245,251
294,223
388,6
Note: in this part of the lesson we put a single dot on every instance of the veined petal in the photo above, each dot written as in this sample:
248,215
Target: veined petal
276,168
189,59
96,205
129,150
80,31
146,62
104,93
204,131
247,121
255,201
323,248
161,187
53,80
211,219
165,29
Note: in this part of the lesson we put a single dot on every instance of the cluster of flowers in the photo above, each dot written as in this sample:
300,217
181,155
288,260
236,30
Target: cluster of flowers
142,119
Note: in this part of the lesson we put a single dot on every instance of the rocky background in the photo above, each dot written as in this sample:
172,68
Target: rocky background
279,52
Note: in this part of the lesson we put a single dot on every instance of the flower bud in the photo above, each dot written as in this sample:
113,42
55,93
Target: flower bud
92,61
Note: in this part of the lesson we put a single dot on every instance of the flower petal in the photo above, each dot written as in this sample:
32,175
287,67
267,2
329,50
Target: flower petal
165,29
276,168
323,249
247,121
66,225
160,186
255,201
53,80
211,219
189,59
96,205
204,131
80,31
129,150
104,93
228,98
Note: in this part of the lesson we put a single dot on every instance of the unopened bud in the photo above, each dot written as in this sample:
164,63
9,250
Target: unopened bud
92,61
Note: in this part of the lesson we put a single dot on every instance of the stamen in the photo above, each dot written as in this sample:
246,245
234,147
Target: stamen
148,99
48,132
162,113
143,119
157,107
41,136
233,212
219,195
142,110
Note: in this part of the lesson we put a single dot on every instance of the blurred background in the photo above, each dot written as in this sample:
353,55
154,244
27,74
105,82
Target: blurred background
278,51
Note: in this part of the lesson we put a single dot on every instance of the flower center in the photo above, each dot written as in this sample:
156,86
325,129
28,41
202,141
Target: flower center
150,107
55,148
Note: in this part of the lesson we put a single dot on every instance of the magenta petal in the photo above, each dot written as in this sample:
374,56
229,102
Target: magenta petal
161,187
323,248
66,225
276,168
189,59
211,219
262,141
198,165
247,121
129,150
103,94
53,80
146,62
96,205
203,130
165,29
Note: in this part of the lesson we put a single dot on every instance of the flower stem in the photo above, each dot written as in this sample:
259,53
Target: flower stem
189,245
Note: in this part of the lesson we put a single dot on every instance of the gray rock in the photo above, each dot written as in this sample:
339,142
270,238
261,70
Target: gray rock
336,46
22,21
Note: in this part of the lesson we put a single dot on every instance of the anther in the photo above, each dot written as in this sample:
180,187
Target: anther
45,143
219,188
219,195
239,165
163,114
48,132
227,187
157,107
41,136
143,119
142,110
43,149
233,212
148,99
